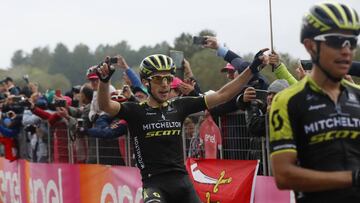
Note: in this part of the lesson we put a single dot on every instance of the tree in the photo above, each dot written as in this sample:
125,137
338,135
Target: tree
19,58
81,60
206,67
41,58
61,62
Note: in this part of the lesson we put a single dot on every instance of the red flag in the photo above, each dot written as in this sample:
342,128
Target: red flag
223,181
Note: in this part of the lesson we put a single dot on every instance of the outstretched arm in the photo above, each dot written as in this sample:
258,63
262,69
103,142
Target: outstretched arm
234,87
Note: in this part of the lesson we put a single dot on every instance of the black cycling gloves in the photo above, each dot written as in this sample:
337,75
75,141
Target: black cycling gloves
103,77
255,65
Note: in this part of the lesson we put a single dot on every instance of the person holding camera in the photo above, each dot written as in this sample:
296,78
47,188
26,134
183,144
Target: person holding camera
58,127
10,86
9,131
236,65
156,125
314,124
257,108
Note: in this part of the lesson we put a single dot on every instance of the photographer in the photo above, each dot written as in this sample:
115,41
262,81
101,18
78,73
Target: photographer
257,109
235,67
10,86
58,127
33,145
9,130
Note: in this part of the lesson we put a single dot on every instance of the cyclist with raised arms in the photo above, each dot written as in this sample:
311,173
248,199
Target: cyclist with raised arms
315,123
155,125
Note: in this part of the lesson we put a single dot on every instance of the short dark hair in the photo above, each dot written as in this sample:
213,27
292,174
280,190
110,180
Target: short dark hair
88,92
8,79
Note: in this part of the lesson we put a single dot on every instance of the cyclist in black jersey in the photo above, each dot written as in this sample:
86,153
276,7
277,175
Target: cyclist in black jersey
315,123
155,125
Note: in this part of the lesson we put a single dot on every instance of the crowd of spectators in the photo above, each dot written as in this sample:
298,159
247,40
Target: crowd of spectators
53,126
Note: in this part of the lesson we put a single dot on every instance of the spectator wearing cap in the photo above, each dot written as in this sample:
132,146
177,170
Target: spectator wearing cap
140,94
236,65
229,70
10,86
94,82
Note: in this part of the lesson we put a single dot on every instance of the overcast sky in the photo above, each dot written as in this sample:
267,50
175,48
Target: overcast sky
242,24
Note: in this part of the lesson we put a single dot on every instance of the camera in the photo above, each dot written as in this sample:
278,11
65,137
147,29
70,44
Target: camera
17,99
60,103
30,129
80,127
200,40
113,60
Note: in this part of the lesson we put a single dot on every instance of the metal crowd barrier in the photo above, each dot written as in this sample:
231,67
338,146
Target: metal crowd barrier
63,146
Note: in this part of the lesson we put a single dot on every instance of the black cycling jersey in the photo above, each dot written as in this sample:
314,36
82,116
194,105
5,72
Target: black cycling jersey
325,135
156,133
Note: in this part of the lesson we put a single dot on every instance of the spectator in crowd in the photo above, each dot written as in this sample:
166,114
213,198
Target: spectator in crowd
9,130
59,130
140,94
236,65
257,109
10,86
194,145
33,143
314,124
109,128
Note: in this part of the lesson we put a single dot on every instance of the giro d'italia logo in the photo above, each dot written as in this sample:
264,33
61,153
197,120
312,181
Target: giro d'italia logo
276,120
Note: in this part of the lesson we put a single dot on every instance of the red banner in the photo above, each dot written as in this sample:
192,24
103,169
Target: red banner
223,181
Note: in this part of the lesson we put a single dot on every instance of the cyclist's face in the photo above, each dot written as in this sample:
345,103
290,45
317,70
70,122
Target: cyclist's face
160,85
337,60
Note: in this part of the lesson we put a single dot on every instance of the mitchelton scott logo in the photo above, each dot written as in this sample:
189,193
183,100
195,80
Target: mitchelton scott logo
202,178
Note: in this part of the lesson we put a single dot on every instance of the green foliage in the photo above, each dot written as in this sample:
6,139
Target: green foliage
44,79
62,67
206,67
19,58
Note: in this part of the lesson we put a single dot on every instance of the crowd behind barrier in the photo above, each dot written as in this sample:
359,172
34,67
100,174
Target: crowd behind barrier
60,145
53,127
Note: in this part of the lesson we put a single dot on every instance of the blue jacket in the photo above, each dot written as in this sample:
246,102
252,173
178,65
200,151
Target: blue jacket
107,127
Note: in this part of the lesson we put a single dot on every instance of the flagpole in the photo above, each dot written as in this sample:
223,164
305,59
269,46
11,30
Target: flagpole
271,33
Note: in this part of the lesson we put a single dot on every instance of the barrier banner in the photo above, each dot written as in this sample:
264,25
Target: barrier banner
223,181
22,181
220,181
267,192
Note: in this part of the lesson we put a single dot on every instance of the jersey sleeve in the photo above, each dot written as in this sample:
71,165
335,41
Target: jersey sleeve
190,105
127,111
281,132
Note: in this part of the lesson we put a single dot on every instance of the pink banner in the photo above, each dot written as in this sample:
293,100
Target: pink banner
267,192
22,181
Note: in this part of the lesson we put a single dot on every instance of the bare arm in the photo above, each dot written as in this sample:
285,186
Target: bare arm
229,90
288,175
105,103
